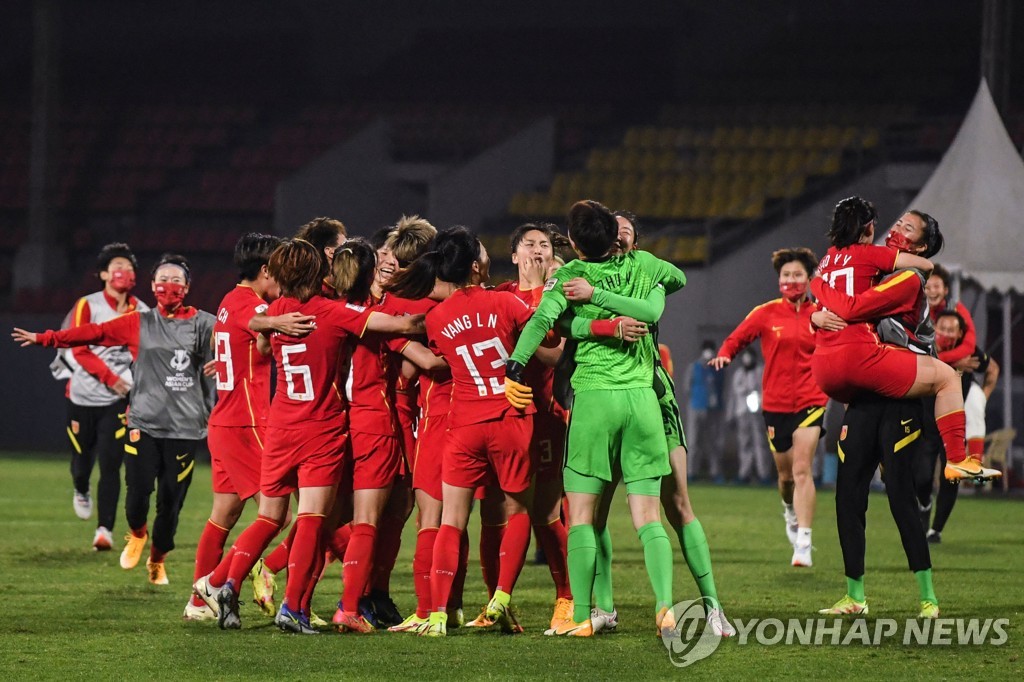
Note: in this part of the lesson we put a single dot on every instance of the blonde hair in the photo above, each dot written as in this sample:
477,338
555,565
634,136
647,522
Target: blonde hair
410,238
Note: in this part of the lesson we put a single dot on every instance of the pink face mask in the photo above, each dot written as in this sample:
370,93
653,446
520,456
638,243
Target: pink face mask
169,295
122,281
899,241
793,291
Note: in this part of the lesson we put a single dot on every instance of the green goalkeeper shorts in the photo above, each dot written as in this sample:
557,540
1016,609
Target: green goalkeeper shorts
671,421
617,428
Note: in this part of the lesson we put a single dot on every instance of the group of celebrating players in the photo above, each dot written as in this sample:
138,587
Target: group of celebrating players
402,379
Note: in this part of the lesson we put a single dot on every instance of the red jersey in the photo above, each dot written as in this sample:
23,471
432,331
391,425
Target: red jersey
963,349
537,375
308,385
372,407
475,330
787,344
435,388
853,270
243,374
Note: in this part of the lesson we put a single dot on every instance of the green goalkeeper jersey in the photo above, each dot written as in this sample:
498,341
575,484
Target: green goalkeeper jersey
603,363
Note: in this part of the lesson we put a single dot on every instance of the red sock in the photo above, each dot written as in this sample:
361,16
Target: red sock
490,547
338,542
552,538
139,532
976,448
459,583
444,565
156,555
248,548
952,429
277,561
421,561
319,559
208,553
513,551
358,564
385,554
302,557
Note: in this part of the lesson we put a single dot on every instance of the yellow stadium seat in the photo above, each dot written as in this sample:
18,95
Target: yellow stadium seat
684,138
559,184
758,137
614,159
648,137
631,138
666,138
518,203
870,139
595,160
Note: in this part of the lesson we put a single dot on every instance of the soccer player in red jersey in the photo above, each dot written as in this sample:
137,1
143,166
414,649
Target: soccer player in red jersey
854,360
473,329
239,419
793,406
307,426
936,289
377,462
532,247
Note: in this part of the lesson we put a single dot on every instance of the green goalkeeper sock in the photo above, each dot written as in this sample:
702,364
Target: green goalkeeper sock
855,588
698,558
658,559
603,598
581,557
925,587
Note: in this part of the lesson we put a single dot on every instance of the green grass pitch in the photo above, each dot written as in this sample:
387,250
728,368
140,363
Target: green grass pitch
75,614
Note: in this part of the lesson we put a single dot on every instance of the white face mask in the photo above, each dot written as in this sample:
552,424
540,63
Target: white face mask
707,353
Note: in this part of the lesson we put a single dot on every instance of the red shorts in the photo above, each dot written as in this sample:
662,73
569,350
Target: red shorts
235,453
846,371
547,446
310,457
376,460
501,447
426,462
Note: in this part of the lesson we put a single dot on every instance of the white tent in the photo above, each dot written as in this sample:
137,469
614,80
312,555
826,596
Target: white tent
977,195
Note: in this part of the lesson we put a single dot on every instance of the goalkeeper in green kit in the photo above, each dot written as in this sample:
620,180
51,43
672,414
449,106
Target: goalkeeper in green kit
616,422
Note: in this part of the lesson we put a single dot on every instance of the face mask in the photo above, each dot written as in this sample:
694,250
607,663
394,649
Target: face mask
898,240
748,361
944,342
793,291
122,281
169,295
707,354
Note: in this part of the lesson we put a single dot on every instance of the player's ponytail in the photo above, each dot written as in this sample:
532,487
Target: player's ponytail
417,280
931,237
352,270
850,221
